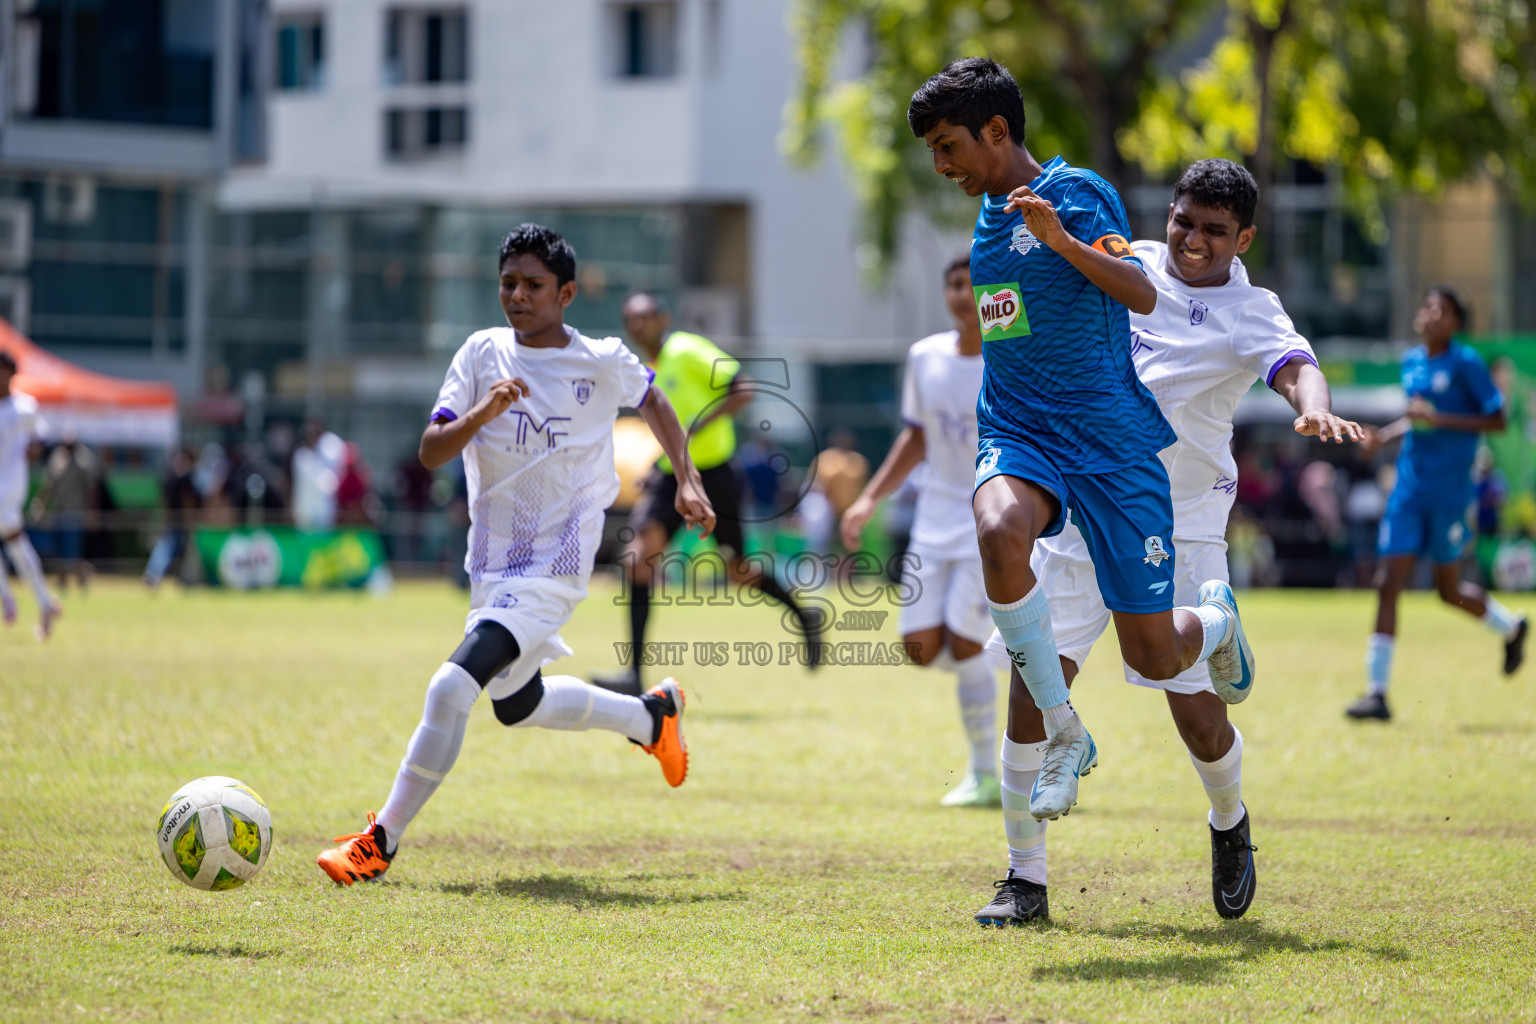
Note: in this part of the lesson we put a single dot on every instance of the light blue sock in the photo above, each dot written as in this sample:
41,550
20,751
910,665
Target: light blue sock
1025,626
1378,662
1499,619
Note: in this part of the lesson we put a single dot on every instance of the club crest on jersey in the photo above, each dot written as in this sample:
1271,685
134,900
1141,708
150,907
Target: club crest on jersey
583,389
1156,553
1000,310
1023,242
1197,312
1439,381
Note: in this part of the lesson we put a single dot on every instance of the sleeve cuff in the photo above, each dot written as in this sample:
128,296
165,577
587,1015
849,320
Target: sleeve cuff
1295,353
650,378
912,423
443,414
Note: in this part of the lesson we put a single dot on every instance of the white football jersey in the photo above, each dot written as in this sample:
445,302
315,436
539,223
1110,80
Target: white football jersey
541,474
939,395
1198,352
20,425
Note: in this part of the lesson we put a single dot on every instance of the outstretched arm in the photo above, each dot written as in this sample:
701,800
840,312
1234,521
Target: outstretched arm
691,502
1120,279
1421,411
1305,387
909,449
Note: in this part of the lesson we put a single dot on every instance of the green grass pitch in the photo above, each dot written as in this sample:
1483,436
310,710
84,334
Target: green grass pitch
804,872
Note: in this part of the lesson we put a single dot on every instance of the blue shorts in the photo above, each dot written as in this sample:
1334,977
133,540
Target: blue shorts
1125,516
1418,523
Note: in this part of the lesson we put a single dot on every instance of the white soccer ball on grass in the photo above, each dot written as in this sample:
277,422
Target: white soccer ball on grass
215,833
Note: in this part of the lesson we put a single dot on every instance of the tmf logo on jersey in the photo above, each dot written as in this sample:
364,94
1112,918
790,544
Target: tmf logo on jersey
1000,308
526,422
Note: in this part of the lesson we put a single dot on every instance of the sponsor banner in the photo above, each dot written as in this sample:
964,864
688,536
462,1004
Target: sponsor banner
282,556
1000,308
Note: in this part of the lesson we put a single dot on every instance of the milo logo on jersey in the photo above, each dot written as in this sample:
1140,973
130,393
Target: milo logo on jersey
1000,309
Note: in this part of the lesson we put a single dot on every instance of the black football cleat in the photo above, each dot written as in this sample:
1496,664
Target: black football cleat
1514,647
626,682
1372,705
1233,877
1017,901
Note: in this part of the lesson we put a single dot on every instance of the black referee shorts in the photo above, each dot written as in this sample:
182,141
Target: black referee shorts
722,486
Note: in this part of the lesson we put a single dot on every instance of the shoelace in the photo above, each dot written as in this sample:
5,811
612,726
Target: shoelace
366,833
1229,861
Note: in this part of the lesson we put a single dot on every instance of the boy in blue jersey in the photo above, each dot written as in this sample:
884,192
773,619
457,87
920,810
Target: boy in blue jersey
1451,399
1063,421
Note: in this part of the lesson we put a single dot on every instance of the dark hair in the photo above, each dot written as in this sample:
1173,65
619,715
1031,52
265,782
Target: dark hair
1452,298
538,241
969,92
1221,184
960,261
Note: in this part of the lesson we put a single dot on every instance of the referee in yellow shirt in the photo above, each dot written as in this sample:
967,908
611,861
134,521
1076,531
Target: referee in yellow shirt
694,374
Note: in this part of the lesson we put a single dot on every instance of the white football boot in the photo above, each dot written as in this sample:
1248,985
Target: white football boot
1069,755
1231,663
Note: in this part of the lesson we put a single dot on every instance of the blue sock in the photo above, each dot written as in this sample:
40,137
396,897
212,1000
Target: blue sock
1025,626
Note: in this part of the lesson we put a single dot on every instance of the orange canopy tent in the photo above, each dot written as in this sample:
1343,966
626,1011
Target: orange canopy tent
93,407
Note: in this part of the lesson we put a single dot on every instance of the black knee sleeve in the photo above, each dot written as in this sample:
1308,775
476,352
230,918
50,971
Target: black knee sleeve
513,709
486,652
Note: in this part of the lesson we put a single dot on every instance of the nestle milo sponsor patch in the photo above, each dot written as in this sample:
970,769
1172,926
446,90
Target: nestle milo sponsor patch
1000,309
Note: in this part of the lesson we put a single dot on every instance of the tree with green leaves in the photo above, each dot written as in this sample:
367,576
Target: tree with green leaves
1389,95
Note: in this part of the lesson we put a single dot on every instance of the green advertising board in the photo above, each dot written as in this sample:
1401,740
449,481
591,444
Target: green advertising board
246,558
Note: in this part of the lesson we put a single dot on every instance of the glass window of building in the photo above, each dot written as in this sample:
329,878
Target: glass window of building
301,52
416,133
645,38
426,46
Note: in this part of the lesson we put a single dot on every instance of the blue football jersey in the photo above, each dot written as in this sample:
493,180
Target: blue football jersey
1058,350
1456,381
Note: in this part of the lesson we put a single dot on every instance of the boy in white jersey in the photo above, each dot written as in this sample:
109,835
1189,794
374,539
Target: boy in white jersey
532,410
949,619
20,425
1210,335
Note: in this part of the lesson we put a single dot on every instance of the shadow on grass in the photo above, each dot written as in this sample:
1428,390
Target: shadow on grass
235,952
1229,945
580,892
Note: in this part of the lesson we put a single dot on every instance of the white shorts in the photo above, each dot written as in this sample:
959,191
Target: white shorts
947,592
11,520
532,609
1078,615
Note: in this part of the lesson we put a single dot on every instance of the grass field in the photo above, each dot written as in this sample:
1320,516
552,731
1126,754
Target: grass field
804,871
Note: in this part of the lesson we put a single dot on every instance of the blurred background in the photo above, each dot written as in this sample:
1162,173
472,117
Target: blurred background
240,240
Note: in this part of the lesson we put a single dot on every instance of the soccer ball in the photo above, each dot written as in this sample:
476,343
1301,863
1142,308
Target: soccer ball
215,833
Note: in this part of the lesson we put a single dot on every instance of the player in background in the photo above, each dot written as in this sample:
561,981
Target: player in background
20,426
532,410
948,620
1063,422
1451,399
1211,335
700,381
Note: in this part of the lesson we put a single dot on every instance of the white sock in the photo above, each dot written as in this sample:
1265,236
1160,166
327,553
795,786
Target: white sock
433,748
30,568
1058,717
943,661
977,690
1223,782
1215,625
1026,836
1378,662
569,703
1498,618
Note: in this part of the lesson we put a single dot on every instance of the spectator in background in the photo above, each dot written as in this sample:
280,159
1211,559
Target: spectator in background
838,475
210,475
317,469
181,502
412,488
256,487
356,504
68,496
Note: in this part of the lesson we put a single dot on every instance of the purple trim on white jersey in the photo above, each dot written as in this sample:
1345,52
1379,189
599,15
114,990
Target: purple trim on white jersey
912,423
443,414
647,387
1292,354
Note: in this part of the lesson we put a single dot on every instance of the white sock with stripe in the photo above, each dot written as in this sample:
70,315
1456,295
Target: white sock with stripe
1026,836
433,748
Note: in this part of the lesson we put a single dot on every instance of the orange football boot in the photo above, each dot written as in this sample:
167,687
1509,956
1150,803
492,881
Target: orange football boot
669,747
359,858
